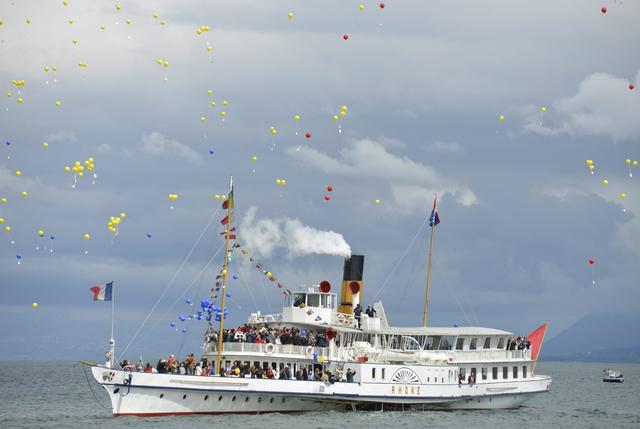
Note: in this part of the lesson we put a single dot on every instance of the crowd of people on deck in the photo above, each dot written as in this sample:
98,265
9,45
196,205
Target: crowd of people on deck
269,335
519,343
190,366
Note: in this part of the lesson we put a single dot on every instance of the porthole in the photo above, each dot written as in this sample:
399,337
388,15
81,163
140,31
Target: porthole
117,389
246,399
161,395
184,396
219,398
233,399
206,397
259,399
271,400
283,399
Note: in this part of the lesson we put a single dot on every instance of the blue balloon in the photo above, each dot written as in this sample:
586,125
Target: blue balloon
455,325
228,295
8,143
199,317
226,311
182,318
211,151
149,235
208,318
184,331
315,356
172,324
19,256
189,301
217,318
53,237
235,277
303,332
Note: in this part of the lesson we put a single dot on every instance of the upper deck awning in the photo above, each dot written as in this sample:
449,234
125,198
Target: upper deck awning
443,331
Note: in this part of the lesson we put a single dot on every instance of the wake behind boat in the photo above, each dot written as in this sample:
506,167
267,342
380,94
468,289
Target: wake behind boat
322,352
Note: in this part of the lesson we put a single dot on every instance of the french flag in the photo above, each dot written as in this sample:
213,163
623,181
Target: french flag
102,293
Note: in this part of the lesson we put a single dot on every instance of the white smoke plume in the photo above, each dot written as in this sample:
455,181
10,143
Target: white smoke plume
264,236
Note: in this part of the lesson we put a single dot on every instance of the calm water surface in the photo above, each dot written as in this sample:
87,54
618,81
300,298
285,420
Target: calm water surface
56,395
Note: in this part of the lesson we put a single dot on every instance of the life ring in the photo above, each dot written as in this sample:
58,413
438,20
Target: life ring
269,348
351,351
309,351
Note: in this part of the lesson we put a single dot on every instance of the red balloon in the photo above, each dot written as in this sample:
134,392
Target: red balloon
592,261
308,135
604,10
327,197
345,37
329,188
381,5
631,86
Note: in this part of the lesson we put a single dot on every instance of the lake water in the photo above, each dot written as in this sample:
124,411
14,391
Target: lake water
56,395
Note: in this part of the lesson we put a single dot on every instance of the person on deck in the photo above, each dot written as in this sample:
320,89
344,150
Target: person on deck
350,374
357,312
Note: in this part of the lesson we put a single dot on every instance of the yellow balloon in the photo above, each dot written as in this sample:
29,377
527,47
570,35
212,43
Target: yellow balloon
118,7
209,48
296,117
1,220
623,195
378,202
225,103
223,114
216,197
4,200
283,181
223,197
163,22
202,118
589,162
605,182
7,228
28,21
87,237
123,215
254,158
128,21
18,173
628,161
501,118
290,15
361,7
343,113
45,145
34,305
71,21
278,181
58,104
24,194
335,117
543,109
343,108
40,233
224,272
213,104
155,15
102,27
67,169
20,100
592,167
210,91
635,163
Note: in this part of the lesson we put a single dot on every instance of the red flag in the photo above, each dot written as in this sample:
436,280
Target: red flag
225,220
536,337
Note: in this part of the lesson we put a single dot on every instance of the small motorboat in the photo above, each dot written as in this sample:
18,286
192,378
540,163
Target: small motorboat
612,376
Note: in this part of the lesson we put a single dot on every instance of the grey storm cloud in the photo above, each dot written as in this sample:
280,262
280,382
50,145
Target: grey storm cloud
424,84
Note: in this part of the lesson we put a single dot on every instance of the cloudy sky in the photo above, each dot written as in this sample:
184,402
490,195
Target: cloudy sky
424,84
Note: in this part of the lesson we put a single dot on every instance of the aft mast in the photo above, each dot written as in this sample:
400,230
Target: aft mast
227,221
434,219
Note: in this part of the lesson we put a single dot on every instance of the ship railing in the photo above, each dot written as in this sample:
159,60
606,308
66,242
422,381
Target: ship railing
268,349
489,355
264,318
345,319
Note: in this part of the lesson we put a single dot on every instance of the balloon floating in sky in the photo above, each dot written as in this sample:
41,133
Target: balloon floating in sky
501,118
543,109
40,233
623,196
603,10
114,222
290,15
329,188
308,135
591,261
163,63
605,182
381,5
631,87
378,202
34,305
172,197
590,165
327,197
281,182
345,37
87,237
149,235
24,194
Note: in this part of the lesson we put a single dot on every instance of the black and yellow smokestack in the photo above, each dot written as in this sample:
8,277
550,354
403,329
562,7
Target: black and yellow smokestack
351,282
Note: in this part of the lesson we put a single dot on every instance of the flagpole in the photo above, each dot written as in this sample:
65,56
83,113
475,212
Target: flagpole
425,317
112,342
224,277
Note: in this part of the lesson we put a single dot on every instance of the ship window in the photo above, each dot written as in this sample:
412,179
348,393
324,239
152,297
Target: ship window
206,397
484,373
428,379
460,344
184,396
524,371
501,343
259,399
446,343
271,400
487,343
373,373
161,395
233,399
299,299
505,372
473,373
382,373
313,300
474,343
287,300
220,398
515,372
325,301
246,399
494,372
116,390
283,399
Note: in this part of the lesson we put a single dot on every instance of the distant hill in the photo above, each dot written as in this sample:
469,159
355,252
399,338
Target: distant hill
601,337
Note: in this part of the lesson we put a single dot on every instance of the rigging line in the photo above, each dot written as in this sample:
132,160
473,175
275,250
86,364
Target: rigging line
458,302
190,286
84,370
393,269
175,275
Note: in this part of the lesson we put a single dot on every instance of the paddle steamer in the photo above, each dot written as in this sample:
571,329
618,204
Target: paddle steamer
395,368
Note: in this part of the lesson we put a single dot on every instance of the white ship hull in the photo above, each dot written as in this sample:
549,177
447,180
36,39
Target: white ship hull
167,394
